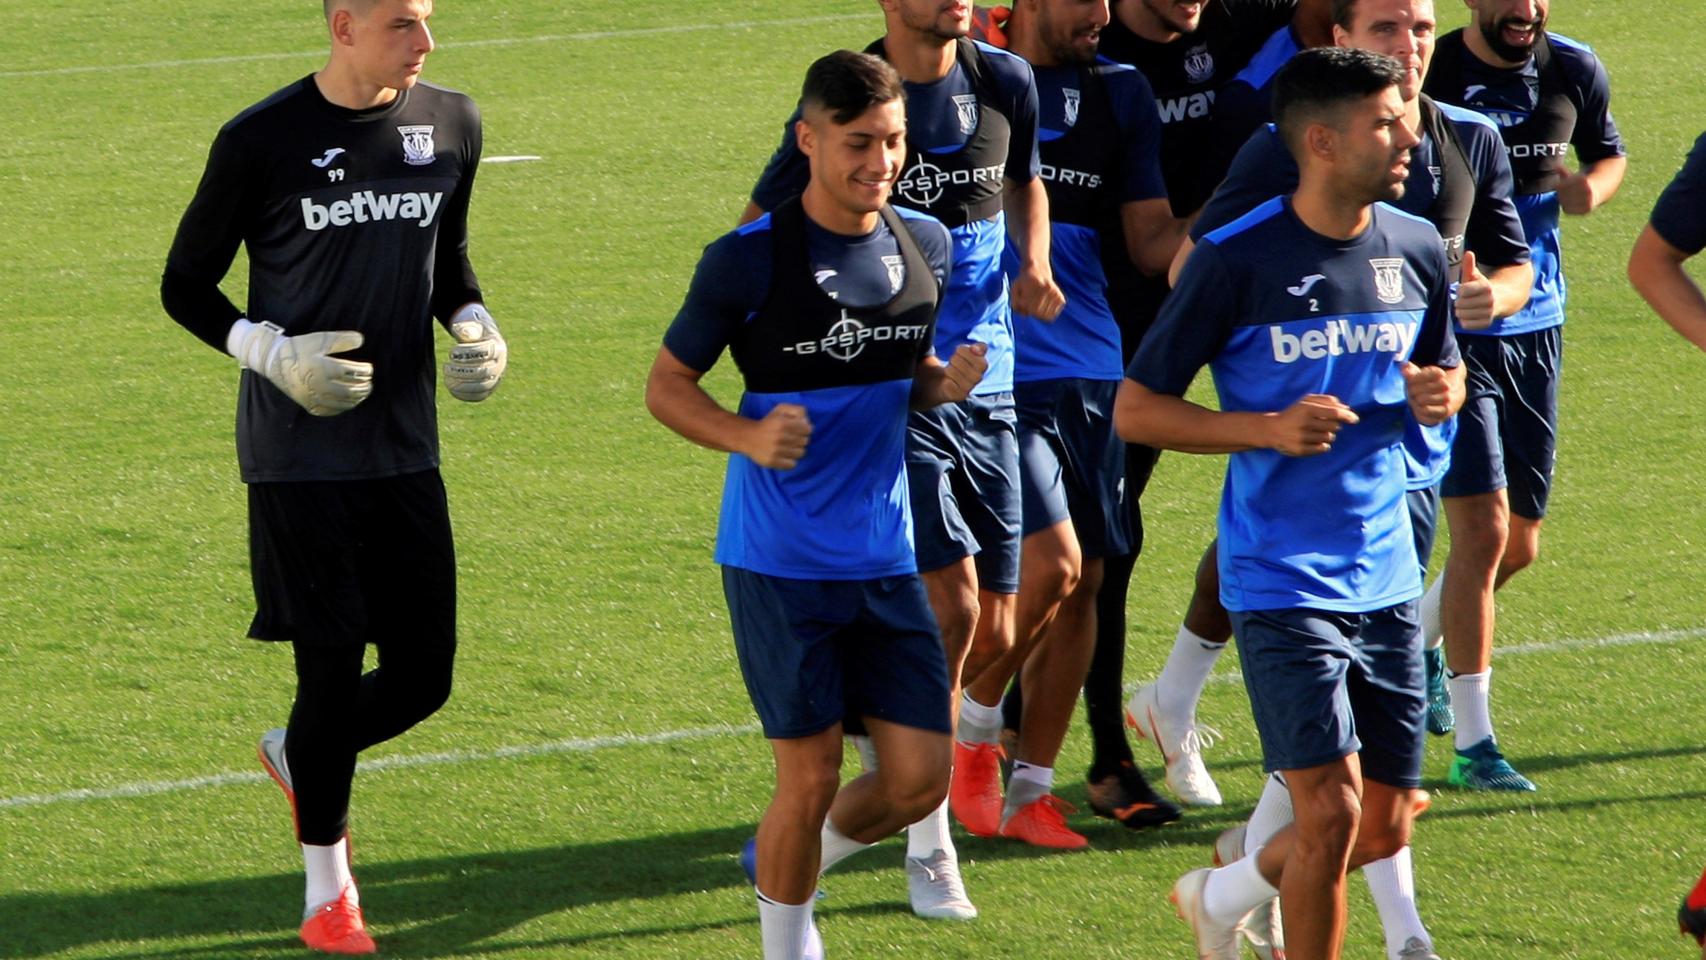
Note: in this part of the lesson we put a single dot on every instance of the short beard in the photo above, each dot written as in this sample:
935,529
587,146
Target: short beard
1494,34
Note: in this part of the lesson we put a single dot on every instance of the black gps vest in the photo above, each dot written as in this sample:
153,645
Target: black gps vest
1535,143
1077,164
964,185
800,339
1455,198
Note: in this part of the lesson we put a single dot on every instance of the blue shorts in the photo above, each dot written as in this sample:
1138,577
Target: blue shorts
1072,464
815,653
1424,522
1507,431
962,468
1326,685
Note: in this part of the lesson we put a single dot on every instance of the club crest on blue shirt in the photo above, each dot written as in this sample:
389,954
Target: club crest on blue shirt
966,106
1199,64
1072,97
418,149
897,271
1388,278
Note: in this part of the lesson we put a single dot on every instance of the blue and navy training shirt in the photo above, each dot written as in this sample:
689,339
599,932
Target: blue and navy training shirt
947,121
1101,148
1679,216
1278,311
814,333
1542,109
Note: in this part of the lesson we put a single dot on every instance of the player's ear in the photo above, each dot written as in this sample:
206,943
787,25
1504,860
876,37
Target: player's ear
342,25
805,137
1322,140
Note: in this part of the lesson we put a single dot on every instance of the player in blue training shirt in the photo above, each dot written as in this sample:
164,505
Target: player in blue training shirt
1100,144
1547,94
1675,232
828,305
1317,560
971,163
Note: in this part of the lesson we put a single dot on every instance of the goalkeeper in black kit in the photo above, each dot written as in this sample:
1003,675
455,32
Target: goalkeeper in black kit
350,190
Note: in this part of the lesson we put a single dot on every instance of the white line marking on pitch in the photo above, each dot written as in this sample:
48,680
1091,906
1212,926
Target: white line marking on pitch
495,42
590,744
511,158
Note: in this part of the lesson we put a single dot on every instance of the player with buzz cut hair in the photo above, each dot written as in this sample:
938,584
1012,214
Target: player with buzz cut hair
350,190
827,304
1317,561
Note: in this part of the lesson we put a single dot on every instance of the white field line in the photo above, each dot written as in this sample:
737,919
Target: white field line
585,37
512,158
591,744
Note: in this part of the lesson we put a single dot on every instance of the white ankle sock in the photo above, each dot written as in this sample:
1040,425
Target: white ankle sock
328,872
931,834
1433,634
1469,694
837,846
979,723
784,927
1182,678
1236,889
867,752
1392,884
1027,785
1272,814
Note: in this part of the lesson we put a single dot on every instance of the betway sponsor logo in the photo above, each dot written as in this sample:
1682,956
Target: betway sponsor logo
1340,337
365,206
1191,106
847,338
1071,178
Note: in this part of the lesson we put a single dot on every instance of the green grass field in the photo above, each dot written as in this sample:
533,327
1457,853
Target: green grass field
586,789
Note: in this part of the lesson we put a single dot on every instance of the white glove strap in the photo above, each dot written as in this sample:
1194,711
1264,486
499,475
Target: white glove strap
476,312
251,343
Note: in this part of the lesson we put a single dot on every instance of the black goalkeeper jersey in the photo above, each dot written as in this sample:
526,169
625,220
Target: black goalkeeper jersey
353,220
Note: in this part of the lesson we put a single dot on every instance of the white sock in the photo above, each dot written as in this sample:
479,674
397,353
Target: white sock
1183,676
837,846
1027,785
1433,633
867,752
1272,814
979,723
1236,889
1392,883
931,834
784,927
328,873
1469,701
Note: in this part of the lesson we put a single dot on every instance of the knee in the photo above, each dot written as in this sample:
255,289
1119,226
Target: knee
956,617
1379,841
913,795
810,790
1480,535
1328,820
1522,548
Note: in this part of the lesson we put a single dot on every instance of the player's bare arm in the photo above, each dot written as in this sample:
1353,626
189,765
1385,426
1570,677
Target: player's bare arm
1307,427
1034,292
1655,269
937,383
675,398
1583,191
1152,234
1186,245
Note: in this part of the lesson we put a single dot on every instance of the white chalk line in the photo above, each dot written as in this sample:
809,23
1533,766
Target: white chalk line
593,744
584,37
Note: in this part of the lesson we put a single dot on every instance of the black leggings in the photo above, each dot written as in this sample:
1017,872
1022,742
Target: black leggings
340,711
1104,693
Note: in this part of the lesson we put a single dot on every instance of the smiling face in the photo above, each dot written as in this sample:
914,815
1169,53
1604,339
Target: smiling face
942,19
1401,29
1070,29
854,164
1510,27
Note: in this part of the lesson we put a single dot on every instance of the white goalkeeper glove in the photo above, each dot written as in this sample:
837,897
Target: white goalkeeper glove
478,358
303,366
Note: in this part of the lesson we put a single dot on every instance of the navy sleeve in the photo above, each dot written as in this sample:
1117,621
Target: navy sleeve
1436,344
720,299
1494,232
1193,326
1595,137
1263,169
453,281
1015,79
787,173
1680,215
1140,136
206,242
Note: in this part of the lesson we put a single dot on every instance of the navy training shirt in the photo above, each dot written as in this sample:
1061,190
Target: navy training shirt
1679,216
842,513
1278,311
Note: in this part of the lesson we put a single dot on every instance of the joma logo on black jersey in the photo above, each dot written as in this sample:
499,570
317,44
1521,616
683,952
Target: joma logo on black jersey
848,337
365,206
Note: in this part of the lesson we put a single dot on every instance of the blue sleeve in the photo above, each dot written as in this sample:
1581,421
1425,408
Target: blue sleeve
1595,137
1495,230
1140,136
787,173
1195,321
1680,215
1263,169
1436,344
728,286
1014,78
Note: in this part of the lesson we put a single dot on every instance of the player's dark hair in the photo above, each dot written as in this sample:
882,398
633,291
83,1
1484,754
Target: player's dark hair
847,84
1342,10
1316,84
